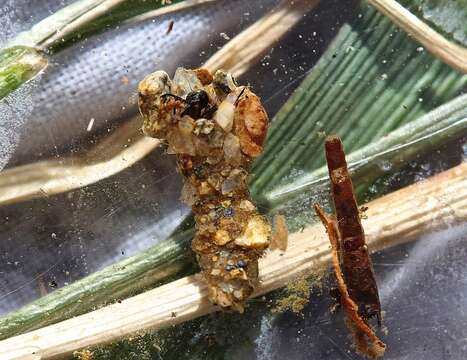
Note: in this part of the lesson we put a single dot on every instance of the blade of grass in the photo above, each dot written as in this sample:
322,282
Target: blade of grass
451,53
398,147
102,287
66,26
19,64
346,103
450,17
83,18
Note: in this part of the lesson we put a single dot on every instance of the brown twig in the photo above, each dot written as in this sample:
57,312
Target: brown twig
358,292
357,266
365,339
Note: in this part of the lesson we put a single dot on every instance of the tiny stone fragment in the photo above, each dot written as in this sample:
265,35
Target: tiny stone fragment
224,83
189,194
222,237
256,235
203,126
247,205
225,115
234,182
232,151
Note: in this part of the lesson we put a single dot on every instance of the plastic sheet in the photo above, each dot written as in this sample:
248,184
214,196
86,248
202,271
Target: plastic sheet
49,242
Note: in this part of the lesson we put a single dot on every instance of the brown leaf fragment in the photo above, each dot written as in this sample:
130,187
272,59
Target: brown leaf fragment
250,123
280,236
356,262
204,76
365,340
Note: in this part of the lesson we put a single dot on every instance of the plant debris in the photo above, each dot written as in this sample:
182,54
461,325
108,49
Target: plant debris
83,355
280,236
358,292
216,128
298,295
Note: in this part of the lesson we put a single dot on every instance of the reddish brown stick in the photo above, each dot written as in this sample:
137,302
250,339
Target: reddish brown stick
356,263
365,339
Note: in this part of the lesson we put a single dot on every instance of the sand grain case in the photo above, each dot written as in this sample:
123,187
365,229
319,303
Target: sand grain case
215,128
